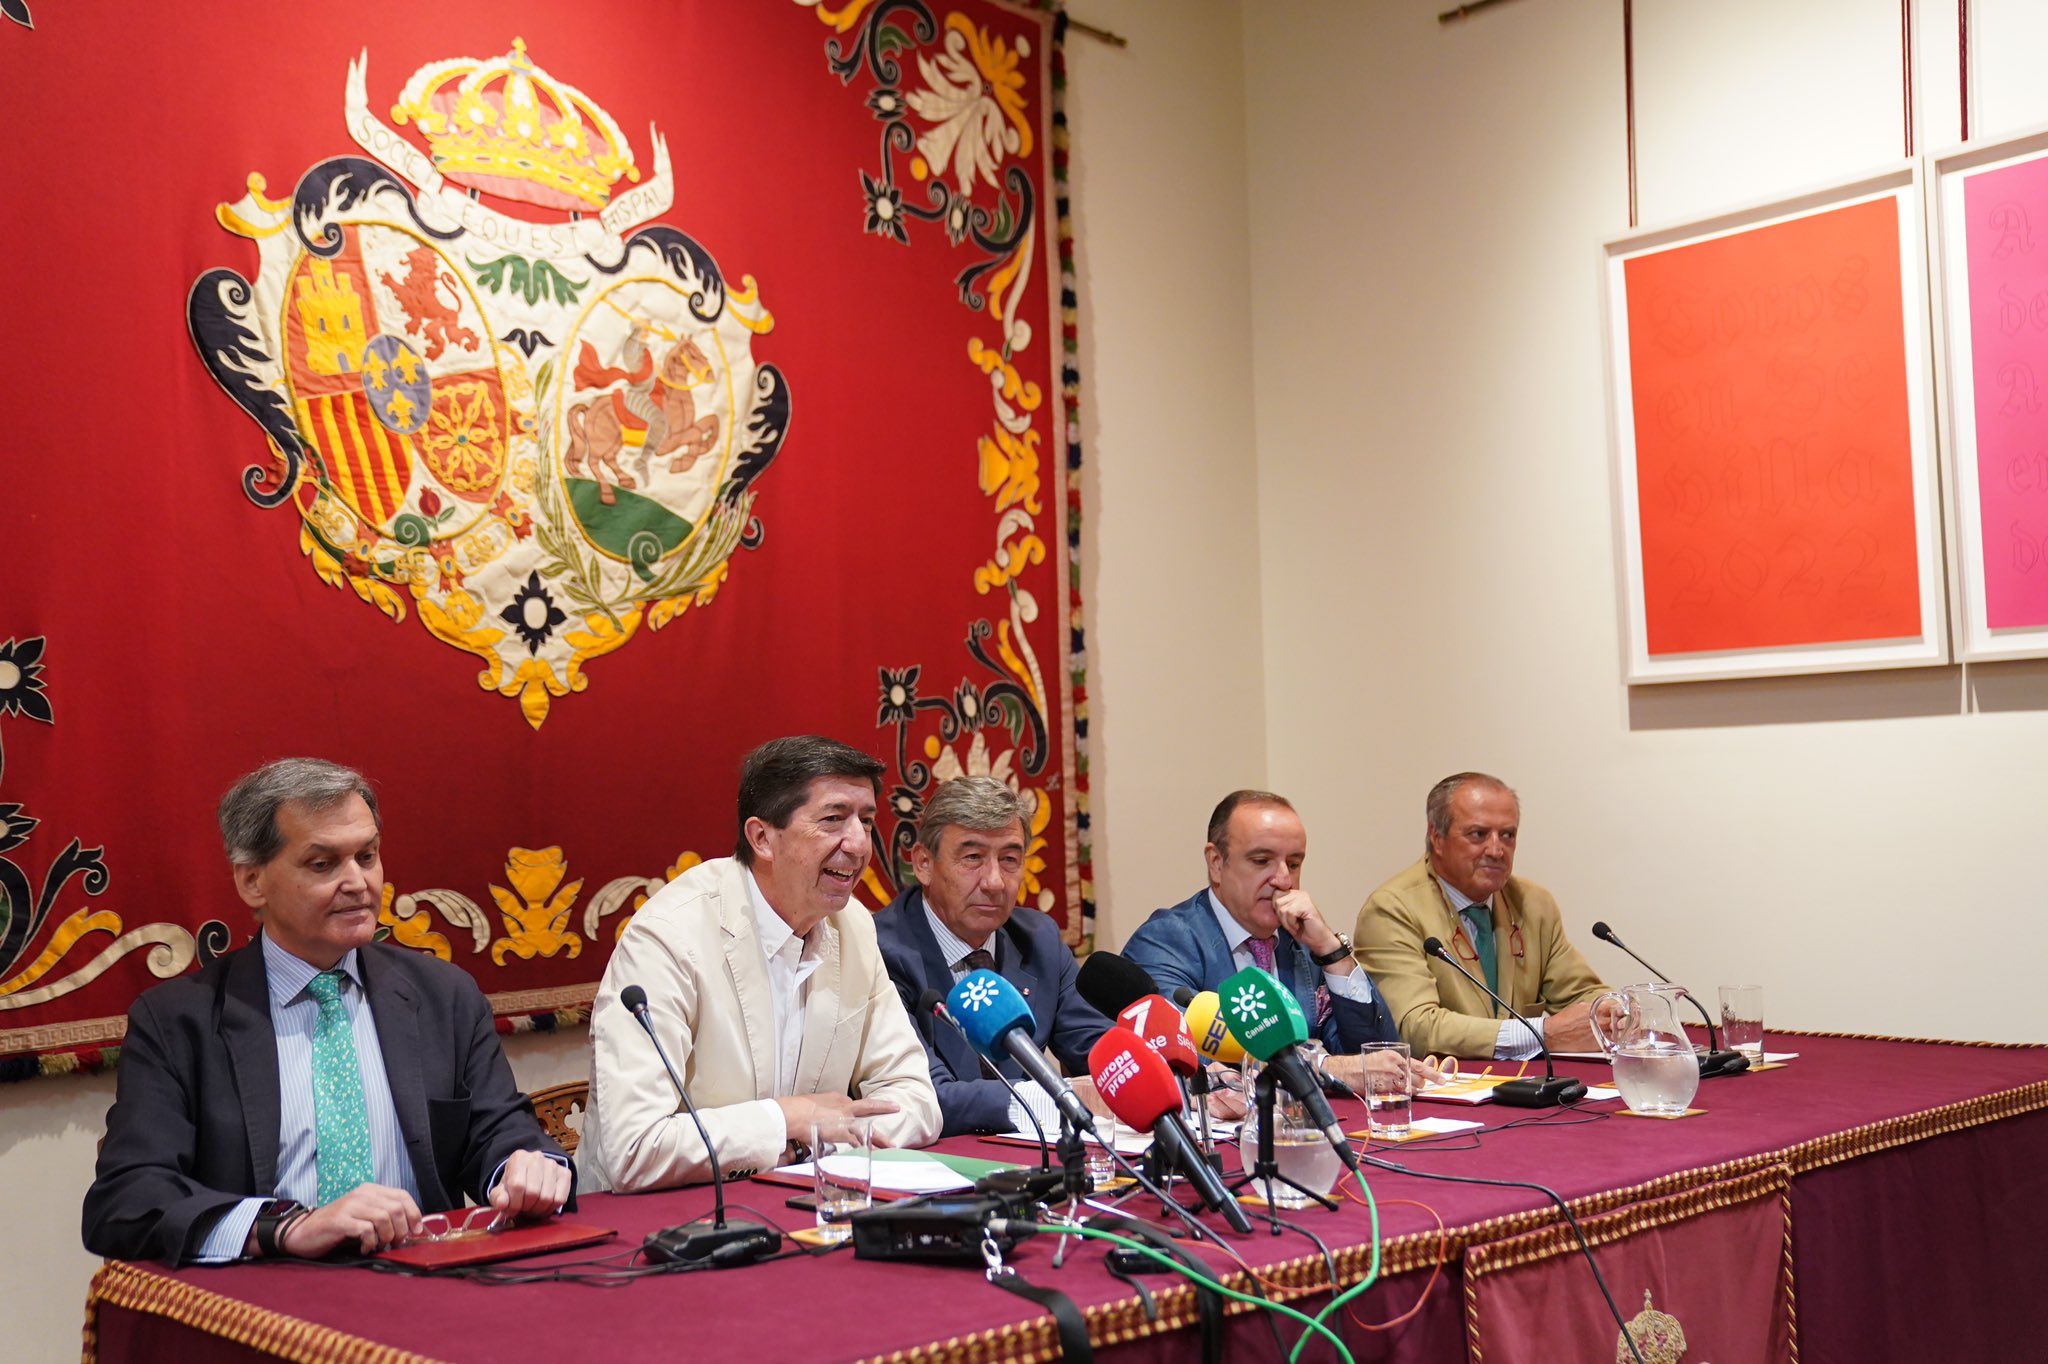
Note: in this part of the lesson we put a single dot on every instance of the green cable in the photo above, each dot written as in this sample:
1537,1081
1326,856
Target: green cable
1372,1272
1313,1323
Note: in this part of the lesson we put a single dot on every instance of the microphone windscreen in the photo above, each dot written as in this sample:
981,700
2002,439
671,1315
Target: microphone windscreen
1603,932
1263,1014
634,998
1182,997
986,1006
1159,1023
1208,1031
1433,947
928,1001
1136,1085
1113,983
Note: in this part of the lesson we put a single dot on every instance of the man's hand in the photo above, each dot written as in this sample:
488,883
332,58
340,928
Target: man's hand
371,1215
832,1113
533,1185
1304,923
1351,1071
1228,1100
1571,1028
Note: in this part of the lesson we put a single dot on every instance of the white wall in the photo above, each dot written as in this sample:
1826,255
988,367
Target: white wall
1170,487
1437,570
1170,560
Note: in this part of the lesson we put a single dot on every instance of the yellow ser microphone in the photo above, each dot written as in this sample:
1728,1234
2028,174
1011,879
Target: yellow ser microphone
1209,1033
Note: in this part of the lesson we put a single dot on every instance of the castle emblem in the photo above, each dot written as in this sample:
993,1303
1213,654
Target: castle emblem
534,431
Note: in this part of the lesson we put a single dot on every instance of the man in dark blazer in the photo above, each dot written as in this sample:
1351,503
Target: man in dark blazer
1254,913
314,1089
969,862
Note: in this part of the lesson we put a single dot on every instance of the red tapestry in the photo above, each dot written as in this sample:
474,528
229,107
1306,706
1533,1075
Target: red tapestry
535,407
1701,1275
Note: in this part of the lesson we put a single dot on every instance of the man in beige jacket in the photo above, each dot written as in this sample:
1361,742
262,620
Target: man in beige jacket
1502,928
766,989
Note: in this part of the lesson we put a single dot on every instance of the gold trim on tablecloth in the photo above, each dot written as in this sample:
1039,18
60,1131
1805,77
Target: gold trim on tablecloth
139,1289
1556,1239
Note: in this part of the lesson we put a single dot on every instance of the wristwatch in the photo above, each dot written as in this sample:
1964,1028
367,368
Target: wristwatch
271,1219
1335,954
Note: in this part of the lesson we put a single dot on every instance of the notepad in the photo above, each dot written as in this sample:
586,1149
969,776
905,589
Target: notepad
1422,1127
1463,1089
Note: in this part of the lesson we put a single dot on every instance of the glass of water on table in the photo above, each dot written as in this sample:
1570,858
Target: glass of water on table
843,1172
1742,1020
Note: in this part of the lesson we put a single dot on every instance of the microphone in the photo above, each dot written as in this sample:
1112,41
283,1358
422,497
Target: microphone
997,1022
1140,1090
723,1242
1208,1031
1182,996
932,1002
1268,1023
1548,1092
1160,1025
1112,983
1716,1061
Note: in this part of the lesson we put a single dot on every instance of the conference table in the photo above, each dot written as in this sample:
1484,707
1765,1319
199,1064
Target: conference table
1873,1199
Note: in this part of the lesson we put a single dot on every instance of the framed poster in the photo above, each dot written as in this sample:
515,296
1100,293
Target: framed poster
1990,216
1775,481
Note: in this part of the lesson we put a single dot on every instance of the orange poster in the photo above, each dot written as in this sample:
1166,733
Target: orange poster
1773,445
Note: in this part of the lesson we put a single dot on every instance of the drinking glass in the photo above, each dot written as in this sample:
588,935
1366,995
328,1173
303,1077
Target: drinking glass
1389,1095
1742,1020
843,1173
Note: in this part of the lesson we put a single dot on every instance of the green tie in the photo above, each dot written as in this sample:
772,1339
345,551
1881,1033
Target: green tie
1480,920
341,1122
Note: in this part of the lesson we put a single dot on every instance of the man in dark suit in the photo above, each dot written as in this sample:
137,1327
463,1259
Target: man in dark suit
962,915
314,1089
1255,913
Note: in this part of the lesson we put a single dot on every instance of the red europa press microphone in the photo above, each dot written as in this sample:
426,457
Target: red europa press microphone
1139,1088
1155,1020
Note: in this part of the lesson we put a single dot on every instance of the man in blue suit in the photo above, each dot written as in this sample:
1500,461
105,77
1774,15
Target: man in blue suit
963,915
1255,913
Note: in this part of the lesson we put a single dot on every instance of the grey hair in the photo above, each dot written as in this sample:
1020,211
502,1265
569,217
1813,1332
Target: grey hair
1438,806
982,804
248,812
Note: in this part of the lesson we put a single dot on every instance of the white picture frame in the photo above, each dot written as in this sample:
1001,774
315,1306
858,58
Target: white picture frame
1902,185
1949,172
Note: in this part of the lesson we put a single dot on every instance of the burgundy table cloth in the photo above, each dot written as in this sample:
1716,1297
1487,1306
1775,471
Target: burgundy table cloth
1917,1171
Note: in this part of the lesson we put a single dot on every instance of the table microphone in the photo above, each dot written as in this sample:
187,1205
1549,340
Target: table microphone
1267,1021
1716,1061
721,1243
998,1022
932,1002
1140,1090
1548,1092
1112,983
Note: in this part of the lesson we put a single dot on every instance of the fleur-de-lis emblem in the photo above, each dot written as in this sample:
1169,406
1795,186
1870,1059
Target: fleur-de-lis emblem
1247,1004
978,995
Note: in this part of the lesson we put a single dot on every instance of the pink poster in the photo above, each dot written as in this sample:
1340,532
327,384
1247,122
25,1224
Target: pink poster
2006,212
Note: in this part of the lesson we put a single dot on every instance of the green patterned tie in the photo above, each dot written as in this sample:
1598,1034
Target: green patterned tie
341,1122
1480,920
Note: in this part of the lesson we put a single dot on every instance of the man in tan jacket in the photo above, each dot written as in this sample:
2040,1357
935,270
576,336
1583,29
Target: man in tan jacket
1500,927
767,990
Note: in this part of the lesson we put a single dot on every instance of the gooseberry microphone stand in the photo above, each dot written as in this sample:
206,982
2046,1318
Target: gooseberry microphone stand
1074,1162
1265,1171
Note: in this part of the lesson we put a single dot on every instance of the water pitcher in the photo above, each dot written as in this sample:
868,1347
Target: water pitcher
1655,1067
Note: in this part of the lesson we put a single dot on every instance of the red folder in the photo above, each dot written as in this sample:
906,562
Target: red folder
513,1243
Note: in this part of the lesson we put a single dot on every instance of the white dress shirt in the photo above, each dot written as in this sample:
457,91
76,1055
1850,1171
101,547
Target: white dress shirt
791,962
1513,1043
